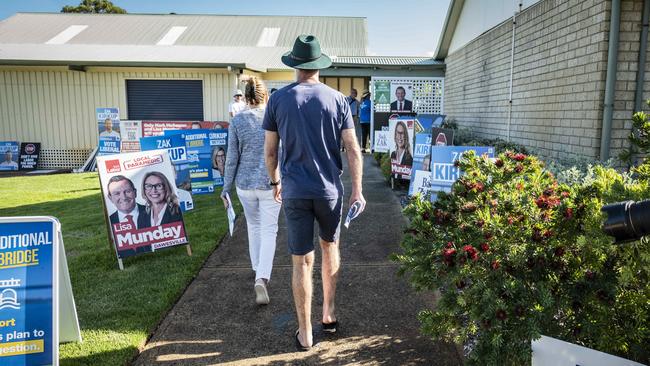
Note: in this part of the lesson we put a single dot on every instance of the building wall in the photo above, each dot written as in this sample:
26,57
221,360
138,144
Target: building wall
558,79
628,64
478,16
56,107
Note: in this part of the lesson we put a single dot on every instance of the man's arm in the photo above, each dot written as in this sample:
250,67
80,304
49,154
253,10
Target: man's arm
271,143
355,163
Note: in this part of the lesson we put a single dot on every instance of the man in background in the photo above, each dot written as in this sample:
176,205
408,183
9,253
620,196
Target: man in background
238,104
354,110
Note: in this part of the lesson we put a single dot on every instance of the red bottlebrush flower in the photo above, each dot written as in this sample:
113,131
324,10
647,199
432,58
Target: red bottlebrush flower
449,245
519,168
498,163
485,247
568,213
559,251
480,223
511,220
501,314
510,154
469,207
519,157
495,265
548,233
471,252
488,236
548,192
448,256
565,194
479,187
542,202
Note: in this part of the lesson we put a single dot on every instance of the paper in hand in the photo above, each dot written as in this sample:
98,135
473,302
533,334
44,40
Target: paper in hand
230,211
355,210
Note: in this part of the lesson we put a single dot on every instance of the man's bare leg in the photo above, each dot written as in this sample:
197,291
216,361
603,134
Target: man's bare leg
301,285
330,272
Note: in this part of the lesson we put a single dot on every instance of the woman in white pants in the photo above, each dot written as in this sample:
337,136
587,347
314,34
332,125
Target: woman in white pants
245,167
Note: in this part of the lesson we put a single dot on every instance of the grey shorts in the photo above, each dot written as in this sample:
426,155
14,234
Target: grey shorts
300,214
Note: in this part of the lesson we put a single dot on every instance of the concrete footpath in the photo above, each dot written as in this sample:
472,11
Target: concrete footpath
216,321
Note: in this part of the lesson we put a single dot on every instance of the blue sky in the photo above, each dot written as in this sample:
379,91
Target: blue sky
403,27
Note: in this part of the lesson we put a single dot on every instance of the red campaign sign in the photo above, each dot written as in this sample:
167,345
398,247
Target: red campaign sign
158,128
113,166
127,237
403,170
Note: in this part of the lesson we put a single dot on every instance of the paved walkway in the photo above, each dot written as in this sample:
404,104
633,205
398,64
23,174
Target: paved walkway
216,320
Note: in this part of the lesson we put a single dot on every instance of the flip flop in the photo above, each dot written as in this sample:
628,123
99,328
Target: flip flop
330,328
299,345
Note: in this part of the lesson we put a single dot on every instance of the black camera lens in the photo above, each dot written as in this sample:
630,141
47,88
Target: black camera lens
627,221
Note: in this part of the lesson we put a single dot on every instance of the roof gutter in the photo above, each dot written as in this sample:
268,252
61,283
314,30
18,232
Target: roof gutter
129,64
610,81
448,29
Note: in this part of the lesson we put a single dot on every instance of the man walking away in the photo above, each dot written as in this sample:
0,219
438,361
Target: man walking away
313,121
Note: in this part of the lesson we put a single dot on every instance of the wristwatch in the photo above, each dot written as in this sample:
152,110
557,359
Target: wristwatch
272,183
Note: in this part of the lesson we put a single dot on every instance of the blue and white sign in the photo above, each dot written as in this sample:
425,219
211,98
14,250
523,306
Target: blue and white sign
219,147
199,153
28,291
9,151
443,171
420,174
108,124
175,146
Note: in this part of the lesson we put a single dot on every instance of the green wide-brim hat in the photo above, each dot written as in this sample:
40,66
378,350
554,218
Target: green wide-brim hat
306,54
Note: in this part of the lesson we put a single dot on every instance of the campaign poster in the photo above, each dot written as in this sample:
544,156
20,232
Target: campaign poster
382,92
441,136
420,173
29,152
130,132
199,154
175,145
427,121
381,142
400,135
158,128
142,205
219,146
108,124
28,291
443,171
9,155
401,97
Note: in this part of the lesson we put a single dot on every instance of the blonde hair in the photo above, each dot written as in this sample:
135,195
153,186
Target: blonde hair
255,91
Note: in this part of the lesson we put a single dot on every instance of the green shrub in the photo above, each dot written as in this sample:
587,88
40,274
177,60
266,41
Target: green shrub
515,255
385,165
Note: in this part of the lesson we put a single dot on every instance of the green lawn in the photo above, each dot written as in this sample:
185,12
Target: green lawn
117,310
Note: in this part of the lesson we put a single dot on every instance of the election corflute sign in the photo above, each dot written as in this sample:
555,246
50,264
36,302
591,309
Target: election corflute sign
443,171
400,142
33,273
142,206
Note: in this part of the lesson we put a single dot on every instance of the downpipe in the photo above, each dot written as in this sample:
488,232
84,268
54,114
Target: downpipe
610,81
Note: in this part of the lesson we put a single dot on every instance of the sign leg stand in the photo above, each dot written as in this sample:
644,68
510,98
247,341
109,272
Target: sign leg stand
189,250
120,264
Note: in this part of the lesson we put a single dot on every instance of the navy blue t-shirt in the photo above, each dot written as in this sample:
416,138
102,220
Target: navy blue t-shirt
309,119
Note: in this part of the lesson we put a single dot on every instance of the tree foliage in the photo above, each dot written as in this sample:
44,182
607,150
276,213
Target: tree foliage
94,7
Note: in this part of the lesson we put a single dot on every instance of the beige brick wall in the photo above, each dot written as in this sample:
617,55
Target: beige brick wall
558,81
628,64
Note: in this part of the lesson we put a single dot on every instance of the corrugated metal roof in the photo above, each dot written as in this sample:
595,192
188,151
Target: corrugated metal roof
385,61
208,39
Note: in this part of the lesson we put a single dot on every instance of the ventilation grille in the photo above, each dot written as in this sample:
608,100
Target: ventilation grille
63,159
